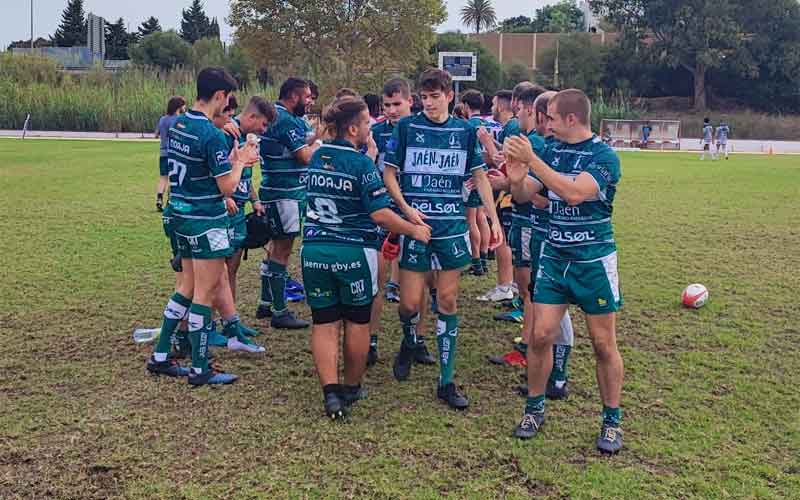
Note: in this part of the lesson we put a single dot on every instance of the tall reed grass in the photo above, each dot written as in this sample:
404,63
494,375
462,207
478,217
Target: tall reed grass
129,101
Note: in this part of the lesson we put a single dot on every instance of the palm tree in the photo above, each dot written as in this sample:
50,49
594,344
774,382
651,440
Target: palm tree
478,13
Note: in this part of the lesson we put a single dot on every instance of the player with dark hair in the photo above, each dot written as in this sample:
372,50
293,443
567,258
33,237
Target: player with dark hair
479,233
346,202
202,172
285,154
374,106
175,106
434,152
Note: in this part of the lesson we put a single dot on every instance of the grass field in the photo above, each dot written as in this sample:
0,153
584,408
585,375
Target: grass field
711,399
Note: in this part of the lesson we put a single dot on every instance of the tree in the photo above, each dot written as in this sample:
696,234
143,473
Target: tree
563,17
516,73
355,43
208,52
117,40
773,43
72,30
240,65
150,26
478,14
698,35
581,63
518,24
164,49
195,24
26,44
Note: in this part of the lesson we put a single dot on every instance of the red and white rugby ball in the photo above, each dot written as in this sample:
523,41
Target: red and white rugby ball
695,296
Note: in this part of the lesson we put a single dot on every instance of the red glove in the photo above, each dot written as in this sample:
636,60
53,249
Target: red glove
391,247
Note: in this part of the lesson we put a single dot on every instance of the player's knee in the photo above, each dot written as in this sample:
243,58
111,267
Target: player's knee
605,348
446,304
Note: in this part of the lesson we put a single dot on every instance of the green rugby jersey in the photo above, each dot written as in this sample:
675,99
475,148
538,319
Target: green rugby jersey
197,153
521,212
540,217
382,134
583,232
282,177
242,193
434,160
509,129
344,188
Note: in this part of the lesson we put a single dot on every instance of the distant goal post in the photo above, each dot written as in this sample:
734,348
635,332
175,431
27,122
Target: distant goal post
664,134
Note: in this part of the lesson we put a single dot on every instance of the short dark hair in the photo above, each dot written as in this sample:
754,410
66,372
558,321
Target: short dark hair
397,86
174,104
543,100
504,95
212,80
522,86
291,86
233,104
529,94
314,89
473,99
346,92
262,107
433,79
373,104
343,113
573,101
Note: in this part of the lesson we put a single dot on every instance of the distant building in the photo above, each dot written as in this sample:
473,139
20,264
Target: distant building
528,48
80,58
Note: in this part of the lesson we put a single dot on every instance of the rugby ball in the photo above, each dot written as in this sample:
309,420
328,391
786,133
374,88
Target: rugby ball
694,296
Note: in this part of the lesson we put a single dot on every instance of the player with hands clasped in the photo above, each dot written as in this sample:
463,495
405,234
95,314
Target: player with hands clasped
578,261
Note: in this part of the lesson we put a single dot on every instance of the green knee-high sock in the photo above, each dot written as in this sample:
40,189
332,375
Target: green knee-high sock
560,358
276,274
409,323
175,311
446,335
199,327
266,293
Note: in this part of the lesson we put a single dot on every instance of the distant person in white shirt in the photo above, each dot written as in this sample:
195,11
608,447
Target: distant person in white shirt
708,139
723,131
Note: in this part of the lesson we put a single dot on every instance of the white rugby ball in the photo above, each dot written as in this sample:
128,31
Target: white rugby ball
695,296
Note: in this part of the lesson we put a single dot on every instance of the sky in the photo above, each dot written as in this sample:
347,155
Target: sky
15,19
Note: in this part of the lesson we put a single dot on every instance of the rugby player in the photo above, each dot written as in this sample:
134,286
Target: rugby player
721,136
503,113
472,101
285,154
434,151
341,239
578,262
708,139
175,106
396,105
202,172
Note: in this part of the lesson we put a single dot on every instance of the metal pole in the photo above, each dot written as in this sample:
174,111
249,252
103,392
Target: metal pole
458,90
31,25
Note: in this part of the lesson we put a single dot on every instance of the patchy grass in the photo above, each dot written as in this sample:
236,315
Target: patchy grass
711,401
